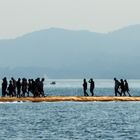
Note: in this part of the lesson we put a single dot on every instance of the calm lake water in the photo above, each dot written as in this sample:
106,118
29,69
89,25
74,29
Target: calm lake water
72,120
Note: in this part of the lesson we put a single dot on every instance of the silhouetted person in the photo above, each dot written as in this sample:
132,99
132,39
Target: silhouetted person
33,87
29,86
41,87
4,87
116,87
36,87
122,87
92,85
19,87
14,86
126,87
85,87
24,86
11,89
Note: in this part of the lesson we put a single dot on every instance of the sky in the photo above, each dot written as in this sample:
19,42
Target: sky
18,17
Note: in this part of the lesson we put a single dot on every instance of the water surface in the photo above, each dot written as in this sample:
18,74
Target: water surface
70,120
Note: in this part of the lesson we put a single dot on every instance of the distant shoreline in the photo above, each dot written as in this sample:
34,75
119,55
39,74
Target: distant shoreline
68,98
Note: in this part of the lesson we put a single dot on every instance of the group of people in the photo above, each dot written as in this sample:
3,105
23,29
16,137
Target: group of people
23,88
92,86
121,87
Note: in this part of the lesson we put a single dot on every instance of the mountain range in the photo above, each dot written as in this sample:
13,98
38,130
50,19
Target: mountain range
61,53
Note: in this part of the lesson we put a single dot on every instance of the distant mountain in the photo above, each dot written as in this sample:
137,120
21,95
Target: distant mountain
60,53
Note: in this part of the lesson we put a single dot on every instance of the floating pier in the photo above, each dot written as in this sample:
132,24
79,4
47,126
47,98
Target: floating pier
68,98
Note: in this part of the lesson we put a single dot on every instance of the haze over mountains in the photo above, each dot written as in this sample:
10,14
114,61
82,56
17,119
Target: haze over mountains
60,53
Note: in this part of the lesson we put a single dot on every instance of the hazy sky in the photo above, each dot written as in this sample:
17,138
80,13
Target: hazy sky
19,17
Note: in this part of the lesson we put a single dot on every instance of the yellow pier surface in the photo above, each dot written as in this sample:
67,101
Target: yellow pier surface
68,98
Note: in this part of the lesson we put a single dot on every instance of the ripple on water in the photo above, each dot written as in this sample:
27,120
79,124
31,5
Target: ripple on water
70,120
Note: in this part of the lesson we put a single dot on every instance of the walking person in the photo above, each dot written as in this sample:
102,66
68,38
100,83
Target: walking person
92,86
41,87
116,87
126,87
4,87
24,86
14,86
11,89
29,87
122,87
85,87
18,88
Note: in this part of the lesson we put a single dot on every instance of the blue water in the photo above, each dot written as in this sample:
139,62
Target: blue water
72,120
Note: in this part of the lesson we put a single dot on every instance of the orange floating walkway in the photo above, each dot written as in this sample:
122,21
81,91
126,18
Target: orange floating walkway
68,98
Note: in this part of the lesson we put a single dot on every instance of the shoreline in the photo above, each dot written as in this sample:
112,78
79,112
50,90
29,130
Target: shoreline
69,98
